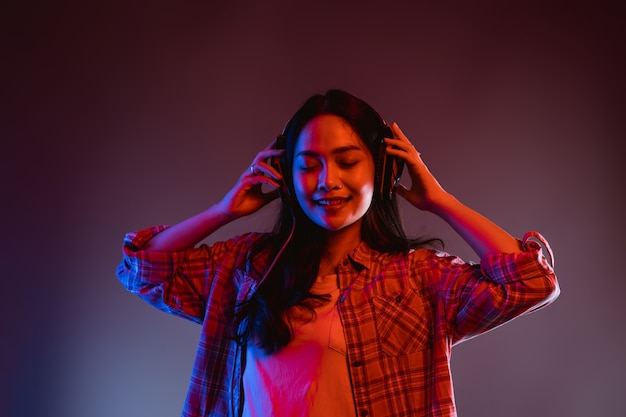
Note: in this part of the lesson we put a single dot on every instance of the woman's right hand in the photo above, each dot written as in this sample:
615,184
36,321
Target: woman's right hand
247,195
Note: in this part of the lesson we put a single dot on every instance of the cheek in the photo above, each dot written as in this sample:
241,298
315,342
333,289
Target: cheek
366,185
367,193
302,184
368,188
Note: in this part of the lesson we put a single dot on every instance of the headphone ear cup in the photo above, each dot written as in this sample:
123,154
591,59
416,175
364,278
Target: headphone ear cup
284,192
388,168
279,164
379,169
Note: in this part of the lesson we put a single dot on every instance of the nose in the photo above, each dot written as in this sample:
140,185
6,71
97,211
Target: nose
328,178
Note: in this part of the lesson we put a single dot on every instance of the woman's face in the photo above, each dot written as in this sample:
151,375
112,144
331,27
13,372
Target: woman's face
333,173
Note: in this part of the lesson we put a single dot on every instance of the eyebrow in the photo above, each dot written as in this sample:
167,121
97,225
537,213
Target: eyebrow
336,151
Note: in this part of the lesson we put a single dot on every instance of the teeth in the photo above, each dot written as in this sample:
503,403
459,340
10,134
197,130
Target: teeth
329,202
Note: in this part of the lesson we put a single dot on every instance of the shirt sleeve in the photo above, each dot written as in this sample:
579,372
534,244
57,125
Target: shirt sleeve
504,286
179,283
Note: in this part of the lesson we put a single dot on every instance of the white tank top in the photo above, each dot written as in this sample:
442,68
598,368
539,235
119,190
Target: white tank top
308,377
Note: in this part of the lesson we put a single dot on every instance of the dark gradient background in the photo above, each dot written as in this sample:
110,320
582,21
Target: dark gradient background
121,115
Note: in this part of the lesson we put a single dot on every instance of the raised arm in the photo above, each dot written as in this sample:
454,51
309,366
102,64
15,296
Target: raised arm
427,194
246,197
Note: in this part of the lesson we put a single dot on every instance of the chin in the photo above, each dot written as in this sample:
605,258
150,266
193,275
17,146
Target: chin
337,226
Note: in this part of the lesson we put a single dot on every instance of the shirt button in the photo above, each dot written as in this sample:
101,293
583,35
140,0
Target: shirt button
356,364
364,413
342,298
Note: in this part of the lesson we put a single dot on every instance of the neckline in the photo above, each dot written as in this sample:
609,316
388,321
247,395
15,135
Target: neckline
325,283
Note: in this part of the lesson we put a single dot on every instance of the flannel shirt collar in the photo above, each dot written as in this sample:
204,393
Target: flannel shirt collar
363,257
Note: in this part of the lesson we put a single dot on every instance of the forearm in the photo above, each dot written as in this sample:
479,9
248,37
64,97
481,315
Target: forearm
189,232
480,233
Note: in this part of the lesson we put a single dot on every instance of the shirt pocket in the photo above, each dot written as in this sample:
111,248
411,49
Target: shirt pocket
403,322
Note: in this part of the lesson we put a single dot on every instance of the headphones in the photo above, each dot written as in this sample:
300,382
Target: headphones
388,169
387,176
279,163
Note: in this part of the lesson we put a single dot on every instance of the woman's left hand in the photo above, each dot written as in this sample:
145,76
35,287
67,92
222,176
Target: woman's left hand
425,192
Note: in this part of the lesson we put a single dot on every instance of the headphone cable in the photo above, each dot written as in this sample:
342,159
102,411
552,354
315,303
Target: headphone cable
281,250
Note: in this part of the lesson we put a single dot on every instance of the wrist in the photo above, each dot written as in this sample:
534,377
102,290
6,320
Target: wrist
219,213
442,205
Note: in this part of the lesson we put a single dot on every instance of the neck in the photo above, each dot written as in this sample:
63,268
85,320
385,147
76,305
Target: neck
338,244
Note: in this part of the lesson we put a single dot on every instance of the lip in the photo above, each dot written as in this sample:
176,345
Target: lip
331,202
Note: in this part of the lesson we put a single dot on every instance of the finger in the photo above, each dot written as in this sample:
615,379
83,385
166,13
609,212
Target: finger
397,132
262,163
264,169
401,141
401,149
266,154
400,135
256,175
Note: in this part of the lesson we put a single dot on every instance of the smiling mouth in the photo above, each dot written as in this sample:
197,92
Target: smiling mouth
331,202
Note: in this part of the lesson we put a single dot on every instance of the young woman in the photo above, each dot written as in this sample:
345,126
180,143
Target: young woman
337,312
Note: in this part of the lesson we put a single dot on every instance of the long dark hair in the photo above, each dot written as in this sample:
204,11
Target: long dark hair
263,317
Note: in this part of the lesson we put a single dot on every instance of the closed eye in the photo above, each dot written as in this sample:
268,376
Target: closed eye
307,163
347,164
307,168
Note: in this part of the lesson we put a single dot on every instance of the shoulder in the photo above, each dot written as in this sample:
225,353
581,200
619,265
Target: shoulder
253,246
246,242
429,269
250,239
424,258
413,258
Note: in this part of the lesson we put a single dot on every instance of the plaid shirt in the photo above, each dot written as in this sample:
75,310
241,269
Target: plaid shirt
401,313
